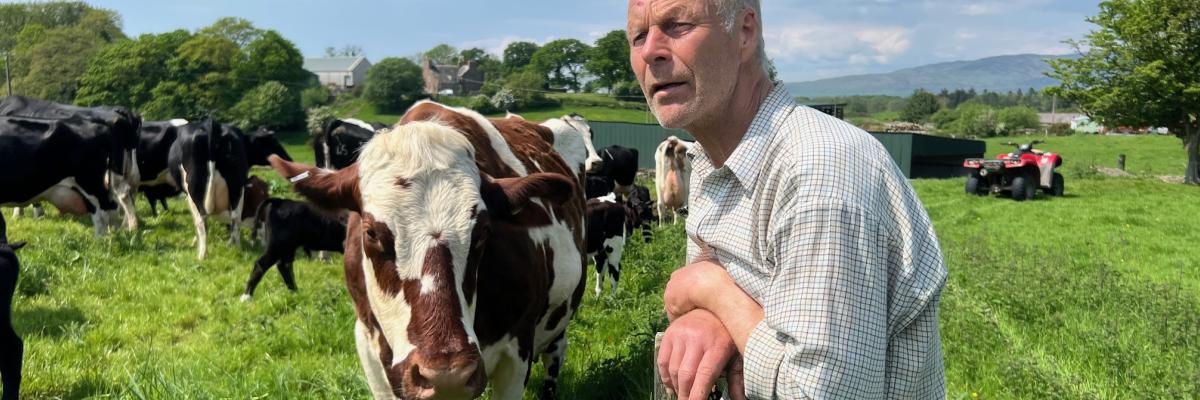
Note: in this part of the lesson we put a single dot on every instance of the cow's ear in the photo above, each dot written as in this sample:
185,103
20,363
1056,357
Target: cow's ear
508,196
16,246
327,189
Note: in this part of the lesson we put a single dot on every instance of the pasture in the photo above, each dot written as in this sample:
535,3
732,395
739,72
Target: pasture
1092,295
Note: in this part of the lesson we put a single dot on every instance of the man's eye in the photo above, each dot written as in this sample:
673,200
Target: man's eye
638,39
677,28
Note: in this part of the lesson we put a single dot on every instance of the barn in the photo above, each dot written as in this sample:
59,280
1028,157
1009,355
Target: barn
339,73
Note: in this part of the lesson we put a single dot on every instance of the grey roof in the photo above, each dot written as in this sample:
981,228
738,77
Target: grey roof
332,64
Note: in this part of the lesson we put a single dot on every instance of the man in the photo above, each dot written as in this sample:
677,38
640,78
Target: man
812,262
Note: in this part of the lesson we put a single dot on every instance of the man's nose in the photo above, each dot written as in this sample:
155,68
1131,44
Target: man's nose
656,48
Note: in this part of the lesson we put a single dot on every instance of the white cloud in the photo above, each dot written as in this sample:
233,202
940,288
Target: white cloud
823,42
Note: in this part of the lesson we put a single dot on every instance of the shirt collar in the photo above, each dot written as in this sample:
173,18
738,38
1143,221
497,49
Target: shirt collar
748,158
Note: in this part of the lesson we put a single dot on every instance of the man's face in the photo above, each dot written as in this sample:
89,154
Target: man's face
685,61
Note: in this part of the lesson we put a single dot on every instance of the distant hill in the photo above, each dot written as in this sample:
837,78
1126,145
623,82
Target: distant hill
997,74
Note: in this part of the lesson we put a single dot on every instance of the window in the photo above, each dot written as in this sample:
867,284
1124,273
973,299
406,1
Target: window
346,81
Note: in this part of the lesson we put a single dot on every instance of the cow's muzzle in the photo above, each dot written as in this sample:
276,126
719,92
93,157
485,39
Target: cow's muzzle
442,375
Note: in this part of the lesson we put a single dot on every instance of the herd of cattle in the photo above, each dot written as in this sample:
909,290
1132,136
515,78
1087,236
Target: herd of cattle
465,239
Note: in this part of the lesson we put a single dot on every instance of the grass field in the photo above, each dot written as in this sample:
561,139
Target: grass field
1093,295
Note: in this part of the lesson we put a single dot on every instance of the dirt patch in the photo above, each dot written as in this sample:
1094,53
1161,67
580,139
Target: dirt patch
1106,171
1171,179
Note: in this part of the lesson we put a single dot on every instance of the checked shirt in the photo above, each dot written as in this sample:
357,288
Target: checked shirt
812,218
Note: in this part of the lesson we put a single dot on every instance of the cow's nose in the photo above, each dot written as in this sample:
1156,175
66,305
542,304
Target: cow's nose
457,380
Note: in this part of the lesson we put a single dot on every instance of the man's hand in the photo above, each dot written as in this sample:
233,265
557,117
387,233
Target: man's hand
691,285
695,349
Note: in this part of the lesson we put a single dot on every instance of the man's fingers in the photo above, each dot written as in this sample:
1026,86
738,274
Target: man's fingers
676,359
707,371
736,379
685,371
664,362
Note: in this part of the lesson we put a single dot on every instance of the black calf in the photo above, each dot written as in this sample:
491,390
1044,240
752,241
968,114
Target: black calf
11,347
289,225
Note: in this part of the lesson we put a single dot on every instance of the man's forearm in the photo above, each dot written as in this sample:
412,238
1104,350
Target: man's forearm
737,311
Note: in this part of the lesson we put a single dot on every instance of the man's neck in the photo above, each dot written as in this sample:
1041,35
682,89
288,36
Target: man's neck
720,133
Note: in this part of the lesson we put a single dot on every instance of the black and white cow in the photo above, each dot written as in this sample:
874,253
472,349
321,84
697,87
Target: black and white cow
61,161
289,225
154,145
338,144
211,162
639,200
11,347
609,224
123,126
598,186
619,164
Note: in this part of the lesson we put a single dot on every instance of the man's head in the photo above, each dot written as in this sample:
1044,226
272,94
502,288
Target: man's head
690,55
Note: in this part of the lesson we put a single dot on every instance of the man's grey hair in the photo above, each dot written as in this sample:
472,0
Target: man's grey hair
729,10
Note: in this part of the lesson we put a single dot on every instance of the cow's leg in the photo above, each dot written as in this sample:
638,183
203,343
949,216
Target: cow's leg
323,256
614,272
124,191
197,214
600,259
285,270
552,360
508,383
261,266
38,210
235,230
368,356
153,209
164,205
104,209
12,350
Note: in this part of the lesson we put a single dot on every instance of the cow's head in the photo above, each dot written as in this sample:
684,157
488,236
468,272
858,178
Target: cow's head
262,143
426,215
578,122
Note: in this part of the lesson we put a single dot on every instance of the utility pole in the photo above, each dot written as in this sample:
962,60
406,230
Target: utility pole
8,73
1053,114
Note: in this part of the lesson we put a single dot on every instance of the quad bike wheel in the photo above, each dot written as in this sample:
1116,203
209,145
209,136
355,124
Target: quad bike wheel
973,184
1023,188
1057,186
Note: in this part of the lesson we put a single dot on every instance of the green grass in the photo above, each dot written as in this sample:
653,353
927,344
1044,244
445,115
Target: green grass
1145,155
1093,295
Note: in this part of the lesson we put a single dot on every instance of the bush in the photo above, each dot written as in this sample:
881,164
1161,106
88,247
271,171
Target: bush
1060,129
481,104
503,100
317,118
1015,119
315,97
393,84
270,104
629,91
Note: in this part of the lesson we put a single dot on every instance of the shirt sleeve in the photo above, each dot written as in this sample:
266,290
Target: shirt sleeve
825,329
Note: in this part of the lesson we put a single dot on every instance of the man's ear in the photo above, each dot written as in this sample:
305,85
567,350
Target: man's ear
508,196
749,30
333,190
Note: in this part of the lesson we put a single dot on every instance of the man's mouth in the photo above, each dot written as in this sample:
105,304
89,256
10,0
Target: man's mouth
664,87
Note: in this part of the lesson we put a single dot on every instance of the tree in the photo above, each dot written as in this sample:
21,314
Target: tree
517,55
608,61
349,50
270,104
393,84
270,57
126,72
238,30
205,63
1139,69
920,106
441,54
561,62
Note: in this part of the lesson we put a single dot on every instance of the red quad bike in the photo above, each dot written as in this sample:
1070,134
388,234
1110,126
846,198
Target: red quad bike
1019,173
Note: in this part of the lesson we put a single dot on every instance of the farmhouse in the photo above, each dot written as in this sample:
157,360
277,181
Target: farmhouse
450,79
339,73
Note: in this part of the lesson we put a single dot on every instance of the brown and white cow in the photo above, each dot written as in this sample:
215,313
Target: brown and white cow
672,173
464,251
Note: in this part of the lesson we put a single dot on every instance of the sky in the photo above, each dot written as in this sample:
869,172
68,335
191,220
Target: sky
807,39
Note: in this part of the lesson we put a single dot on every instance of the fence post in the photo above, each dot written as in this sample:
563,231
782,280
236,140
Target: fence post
1121,162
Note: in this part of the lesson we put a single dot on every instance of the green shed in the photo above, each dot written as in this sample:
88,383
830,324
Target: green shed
926,156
